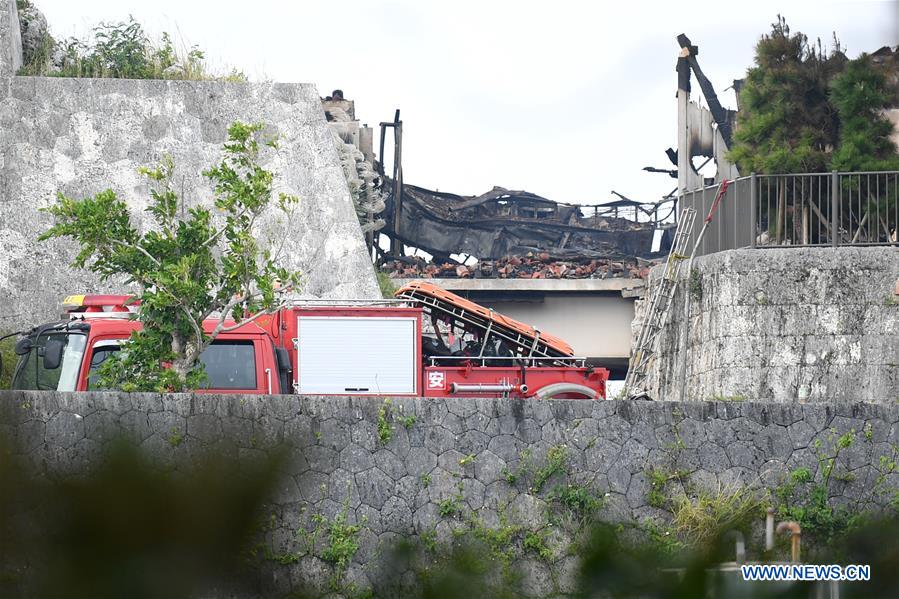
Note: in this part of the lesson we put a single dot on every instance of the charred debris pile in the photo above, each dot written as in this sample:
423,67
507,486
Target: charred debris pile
529,266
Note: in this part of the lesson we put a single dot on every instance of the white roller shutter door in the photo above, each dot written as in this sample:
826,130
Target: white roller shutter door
356,355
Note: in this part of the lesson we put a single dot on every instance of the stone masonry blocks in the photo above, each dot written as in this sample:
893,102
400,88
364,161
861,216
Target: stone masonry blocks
81,136
459,454
790,325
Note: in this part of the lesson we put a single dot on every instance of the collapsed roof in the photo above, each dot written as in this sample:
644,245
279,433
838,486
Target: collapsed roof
506,223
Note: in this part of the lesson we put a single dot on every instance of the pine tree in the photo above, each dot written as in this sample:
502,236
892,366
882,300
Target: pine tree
786,123
859,94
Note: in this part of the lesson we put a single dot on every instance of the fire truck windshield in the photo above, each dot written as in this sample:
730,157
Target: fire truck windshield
37,371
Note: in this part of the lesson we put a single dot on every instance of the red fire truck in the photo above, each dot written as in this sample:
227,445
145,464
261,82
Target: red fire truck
426,342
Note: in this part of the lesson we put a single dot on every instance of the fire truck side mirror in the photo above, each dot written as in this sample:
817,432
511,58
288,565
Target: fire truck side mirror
23,346
53,354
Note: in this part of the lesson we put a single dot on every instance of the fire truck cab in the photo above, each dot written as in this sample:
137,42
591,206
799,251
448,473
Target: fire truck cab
65,355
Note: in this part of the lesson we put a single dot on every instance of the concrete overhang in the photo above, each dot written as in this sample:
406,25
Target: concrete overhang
627,287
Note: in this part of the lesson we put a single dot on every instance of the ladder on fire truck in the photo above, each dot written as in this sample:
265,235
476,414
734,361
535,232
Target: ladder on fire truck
529,344
658,308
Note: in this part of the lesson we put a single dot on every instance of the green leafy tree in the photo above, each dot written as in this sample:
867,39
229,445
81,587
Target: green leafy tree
189,268
859,94
785,123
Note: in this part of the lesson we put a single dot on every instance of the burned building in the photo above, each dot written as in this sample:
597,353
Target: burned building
503,223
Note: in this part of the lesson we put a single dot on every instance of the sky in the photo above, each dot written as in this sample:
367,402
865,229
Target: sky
569,100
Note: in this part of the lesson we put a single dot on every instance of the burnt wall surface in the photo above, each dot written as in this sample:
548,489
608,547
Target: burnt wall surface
418,467
784,325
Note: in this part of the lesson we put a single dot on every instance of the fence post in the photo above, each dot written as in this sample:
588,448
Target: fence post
834,208
753,210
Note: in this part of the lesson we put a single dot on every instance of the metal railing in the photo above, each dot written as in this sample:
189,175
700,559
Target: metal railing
807,209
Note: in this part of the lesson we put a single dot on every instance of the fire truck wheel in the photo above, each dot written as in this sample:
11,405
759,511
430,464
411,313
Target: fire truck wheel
570,389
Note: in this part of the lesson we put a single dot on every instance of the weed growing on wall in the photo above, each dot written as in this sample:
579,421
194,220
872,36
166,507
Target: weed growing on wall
120,50
556,460
385,429
7,361
806,496
694,516
343,543
698,520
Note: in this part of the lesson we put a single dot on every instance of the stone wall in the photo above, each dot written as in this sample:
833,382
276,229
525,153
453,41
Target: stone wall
445,462
81,136
10,39
785,325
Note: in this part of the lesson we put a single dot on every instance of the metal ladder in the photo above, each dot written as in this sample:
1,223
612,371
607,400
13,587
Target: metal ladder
527,346
659,306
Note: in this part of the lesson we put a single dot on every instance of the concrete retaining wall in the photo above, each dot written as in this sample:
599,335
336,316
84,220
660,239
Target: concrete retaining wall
460,453
785,325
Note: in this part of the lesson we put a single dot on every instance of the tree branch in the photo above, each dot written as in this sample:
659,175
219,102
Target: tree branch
251,319
139,249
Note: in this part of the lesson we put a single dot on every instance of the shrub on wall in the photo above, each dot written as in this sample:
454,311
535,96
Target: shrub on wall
113,50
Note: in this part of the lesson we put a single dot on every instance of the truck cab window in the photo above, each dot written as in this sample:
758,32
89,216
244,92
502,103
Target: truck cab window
230,365
101,354
32,374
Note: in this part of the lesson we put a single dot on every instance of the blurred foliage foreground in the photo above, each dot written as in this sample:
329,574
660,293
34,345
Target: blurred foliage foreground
129,527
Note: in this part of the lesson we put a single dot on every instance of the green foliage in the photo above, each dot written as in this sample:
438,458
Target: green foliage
385,430
556,462
175,437
806,110
806,496
386,284
498,540
698,520
886,466
510,476
537,543
859,94
658,481
429,540
343,543
174,534
576,498
468,459
662,540
425,480
785,123
449,507
188,267
737,397
122,51
801,475
8,359
658,478
408,421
